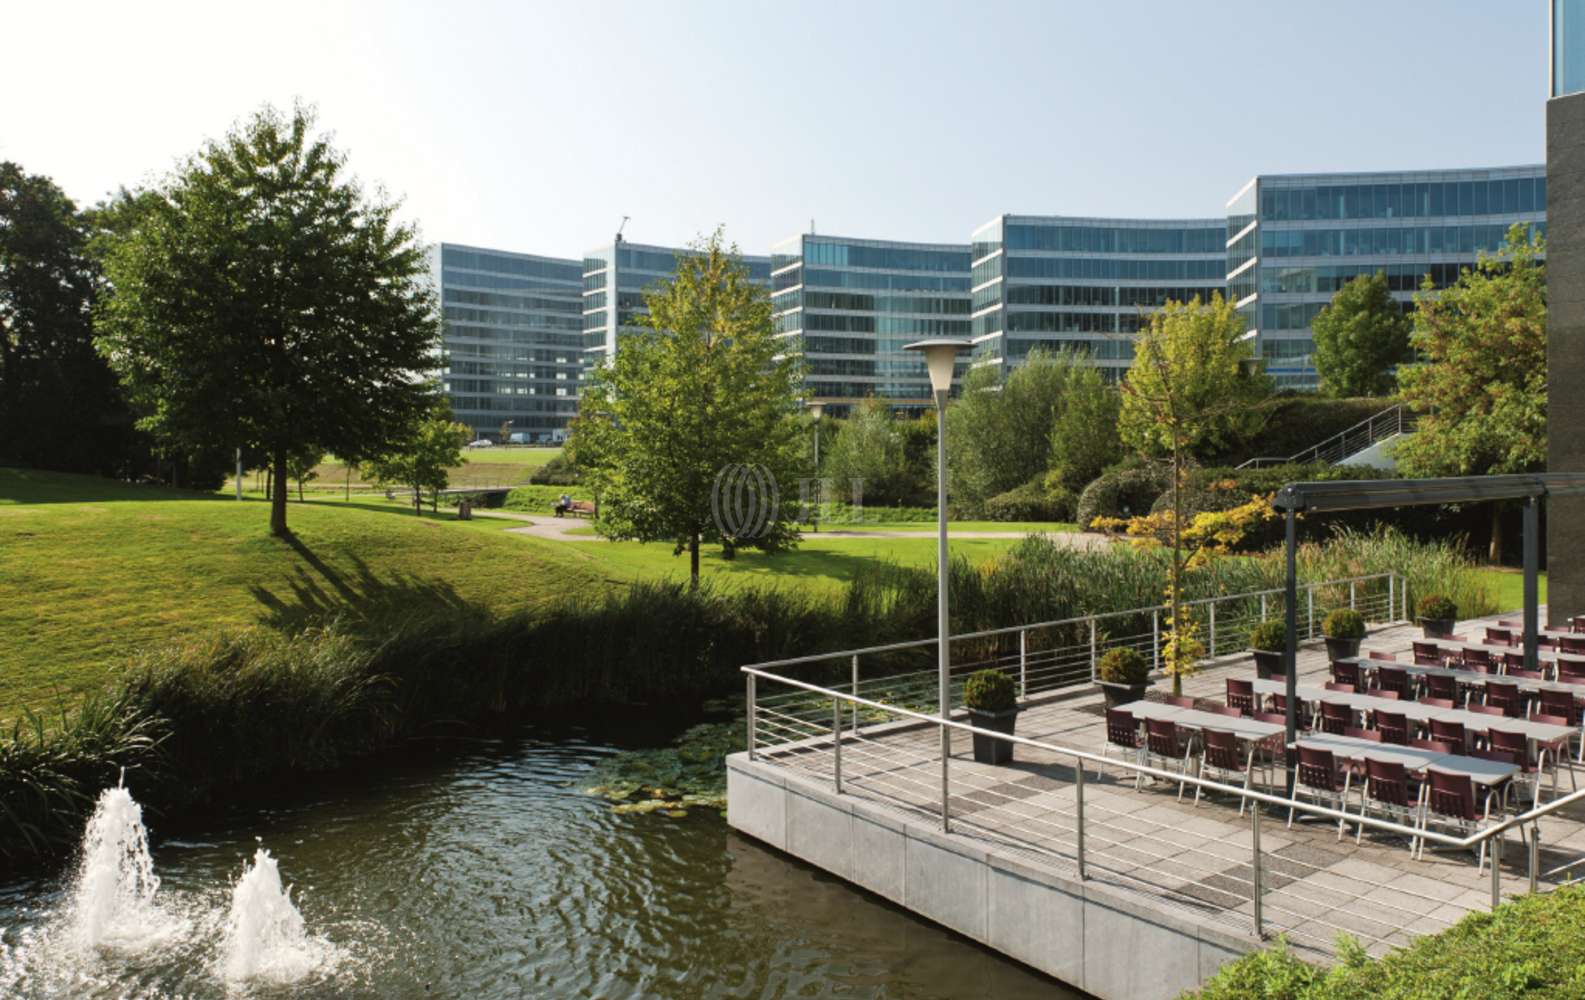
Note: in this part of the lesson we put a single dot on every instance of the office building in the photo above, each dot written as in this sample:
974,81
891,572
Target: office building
1565,290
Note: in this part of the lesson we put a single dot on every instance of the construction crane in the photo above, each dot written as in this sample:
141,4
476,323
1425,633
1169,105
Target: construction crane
622,227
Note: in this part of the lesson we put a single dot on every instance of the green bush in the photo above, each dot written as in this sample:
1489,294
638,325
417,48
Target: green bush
542,499
1123,665
1437,606
1301,421
1121,492
1269,637
1031,502
556,472
1343,623
1532,946
989,691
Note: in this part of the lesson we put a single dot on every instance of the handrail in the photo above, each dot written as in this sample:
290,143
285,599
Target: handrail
1403,420
1056,622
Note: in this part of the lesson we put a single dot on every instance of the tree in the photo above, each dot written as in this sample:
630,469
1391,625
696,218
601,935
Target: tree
999,430
303,466
262,299
870,447
422,460
1359,336
1481,390
1084,436
60,406
703,401
1191,387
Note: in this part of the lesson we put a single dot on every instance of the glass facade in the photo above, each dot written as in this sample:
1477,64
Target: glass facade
513,339
1568,47
850,305
1294,240
1085,285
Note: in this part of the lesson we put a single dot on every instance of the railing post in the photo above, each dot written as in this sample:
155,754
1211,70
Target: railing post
1092,647
1023,664
1213,628
946,820
1309,594
1155,643
1535,855
836,742
1494,848
1255,869
1262,607
1392,596
1078,812
751,724
1351,595
855,694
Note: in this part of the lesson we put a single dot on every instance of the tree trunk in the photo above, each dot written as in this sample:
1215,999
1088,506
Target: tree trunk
1494,550
418,500
693,561
1177,554
299,491
278,497
349,484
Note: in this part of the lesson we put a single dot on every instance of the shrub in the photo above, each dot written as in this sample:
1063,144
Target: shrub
989,691
556,472
1343,623
1123,665
1269,637
1121,492
1031,502
1437,606
542,499
1298,422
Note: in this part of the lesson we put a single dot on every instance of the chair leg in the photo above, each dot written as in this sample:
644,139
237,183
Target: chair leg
1199,773
1342,803
1364,803
1249,777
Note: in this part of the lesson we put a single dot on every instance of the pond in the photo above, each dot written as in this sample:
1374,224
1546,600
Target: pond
487,873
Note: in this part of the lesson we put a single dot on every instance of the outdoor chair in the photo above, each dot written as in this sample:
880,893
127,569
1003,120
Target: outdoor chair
1272,752
1480,709
1356,733
1436,702
1435,746
1343,688
1221,755
1279,705
1393,727
1374,654
1571,644
1561,705
1442,686
1509,623
1478,660
1451,799
1394,679
1518,744
1428,654
1571,671
1166,746
1241,695
1458,637
1505,695
1347,673
1499,637
1576,623
1335,717
1122,739
1228,710
1382,693
1557,751
1180,700
1451,731
1389,788
1321,779
1512,660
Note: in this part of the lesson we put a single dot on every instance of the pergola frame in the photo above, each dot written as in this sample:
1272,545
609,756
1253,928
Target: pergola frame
1376,494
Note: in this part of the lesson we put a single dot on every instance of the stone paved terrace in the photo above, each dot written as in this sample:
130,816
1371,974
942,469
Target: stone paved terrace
1192,859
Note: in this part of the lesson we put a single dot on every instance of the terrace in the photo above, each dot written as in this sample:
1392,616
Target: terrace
1226,871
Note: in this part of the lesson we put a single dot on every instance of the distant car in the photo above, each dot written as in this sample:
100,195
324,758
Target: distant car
482,443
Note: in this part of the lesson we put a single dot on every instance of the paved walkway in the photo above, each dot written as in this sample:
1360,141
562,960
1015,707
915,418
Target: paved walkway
560,528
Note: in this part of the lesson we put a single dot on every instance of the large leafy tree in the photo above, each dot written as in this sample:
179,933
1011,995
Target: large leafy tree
60,406
1191,388
870,447
999,430
668,429
422,459
262,299
1359,336
1481,389
1084,437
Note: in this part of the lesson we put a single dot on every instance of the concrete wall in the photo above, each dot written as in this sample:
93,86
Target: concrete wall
1112,944
1565,213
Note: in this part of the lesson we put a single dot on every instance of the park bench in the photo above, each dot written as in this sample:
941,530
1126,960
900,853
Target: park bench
579,508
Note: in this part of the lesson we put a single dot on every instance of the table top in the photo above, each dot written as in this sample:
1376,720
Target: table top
1545,654
1194,718
1468,677
1482,771
1475,721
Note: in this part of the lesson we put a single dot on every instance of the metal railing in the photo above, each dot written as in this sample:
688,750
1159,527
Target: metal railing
1397,419
873,746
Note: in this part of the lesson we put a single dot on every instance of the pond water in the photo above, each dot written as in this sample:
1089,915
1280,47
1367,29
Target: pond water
484,874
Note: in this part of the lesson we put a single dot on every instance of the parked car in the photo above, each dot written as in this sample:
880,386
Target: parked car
482,443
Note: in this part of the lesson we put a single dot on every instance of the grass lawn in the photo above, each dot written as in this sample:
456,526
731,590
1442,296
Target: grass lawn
484,467
1507,587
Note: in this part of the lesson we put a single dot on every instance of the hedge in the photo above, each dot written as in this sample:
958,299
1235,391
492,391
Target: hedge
1121,492
1031,502
1298,422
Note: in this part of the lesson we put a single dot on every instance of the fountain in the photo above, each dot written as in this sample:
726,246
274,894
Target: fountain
113,904
265,937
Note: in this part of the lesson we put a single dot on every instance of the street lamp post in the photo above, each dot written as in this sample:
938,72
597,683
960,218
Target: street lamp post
815,409
940,357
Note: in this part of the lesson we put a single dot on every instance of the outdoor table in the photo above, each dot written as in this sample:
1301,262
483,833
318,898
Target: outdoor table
1469,677
1490,773
1197,719
1543,654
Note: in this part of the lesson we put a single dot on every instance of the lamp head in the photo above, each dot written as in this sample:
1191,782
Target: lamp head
941,353
815,409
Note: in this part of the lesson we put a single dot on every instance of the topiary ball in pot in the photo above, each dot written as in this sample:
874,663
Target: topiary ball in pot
1268,640
992,700
1123,676
1437,616
1343,628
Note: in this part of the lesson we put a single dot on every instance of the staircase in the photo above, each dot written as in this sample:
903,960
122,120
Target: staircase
1358,443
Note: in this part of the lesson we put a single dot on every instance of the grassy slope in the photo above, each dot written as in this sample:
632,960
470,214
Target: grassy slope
483,467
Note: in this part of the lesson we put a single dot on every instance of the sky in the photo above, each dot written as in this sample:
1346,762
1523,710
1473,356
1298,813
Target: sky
536,127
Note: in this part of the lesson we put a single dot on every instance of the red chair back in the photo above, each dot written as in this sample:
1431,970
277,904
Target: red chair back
1480,709
1512,659
1356,733
1344,688
1347,673
1478,660
1499,637
1221,750
1570,671
1427,654
1442,686
1318,769
1577,623
1228,710
1521,674
1388,782
1571,643
1335,718
1435,746
1393,726
1437,702
1382,693
1374,654
1451,795
1241,695
1451,731
1505,696
1161,736
1180,700
1121,729
1393,679
1561,703
1517,744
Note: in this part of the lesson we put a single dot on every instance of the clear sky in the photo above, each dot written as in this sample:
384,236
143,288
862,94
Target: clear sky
536,127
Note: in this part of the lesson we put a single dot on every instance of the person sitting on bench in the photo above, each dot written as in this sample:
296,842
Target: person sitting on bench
563,505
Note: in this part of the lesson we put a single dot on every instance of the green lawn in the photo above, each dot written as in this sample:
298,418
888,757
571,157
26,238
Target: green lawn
1507,587
483,467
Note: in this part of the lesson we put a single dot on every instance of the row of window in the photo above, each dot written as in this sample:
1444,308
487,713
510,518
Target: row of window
472,279
984,248
503,264
467,314
507,406
1329,278
786,279
505,369
1125,296
1112,268
1301,347
1110,239
458,331
824,278
1098,348
1467,240
1509,196
819,253
566,303
894,325
888,389
858,302
986,270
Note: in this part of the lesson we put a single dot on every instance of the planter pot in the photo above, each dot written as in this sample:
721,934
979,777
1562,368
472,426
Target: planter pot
989,749
1336,649
1268,665
1437,628
1118,695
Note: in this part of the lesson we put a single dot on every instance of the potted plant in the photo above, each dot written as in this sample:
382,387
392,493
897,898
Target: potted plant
1123,676
1343,629
1437,615
1268,641
990,697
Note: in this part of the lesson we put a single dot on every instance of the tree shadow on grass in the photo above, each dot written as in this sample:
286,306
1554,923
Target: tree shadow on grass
356,596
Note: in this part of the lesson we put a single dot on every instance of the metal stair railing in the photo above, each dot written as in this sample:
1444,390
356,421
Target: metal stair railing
1396,419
